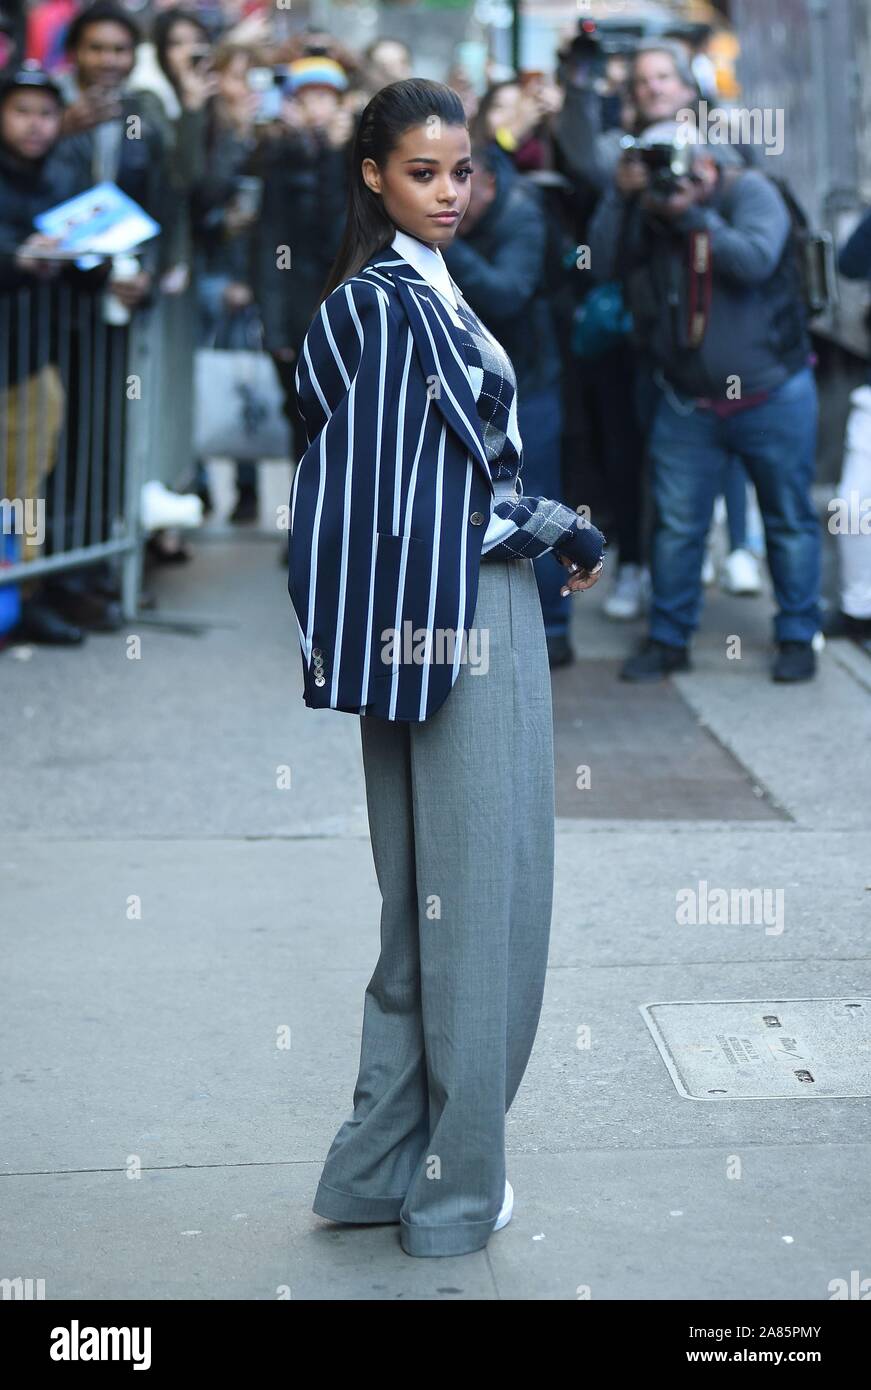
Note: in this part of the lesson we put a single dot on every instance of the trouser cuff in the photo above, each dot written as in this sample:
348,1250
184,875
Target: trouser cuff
460,1239
345,1206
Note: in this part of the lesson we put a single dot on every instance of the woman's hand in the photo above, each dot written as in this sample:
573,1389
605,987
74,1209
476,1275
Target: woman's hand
197,84
579,579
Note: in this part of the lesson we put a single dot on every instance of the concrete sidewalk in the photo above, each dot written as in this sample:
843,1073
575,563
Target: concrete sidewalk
188,942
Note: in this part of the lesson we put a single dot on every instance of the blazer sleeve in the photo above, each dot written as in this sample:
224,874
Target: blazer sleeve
531,526
347,385
349,362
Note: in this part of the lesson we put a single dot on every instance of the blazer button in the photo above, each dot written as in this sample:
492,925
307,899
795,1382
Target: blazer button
320,680
316,651
477,518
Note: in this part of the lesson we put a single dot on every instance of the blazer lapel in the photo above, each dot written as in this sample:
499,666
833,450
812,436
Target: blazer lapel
439,351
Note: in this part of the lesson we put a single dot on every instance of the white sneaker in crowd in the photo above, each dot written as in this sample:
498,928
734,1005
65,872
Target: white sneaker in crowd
507,1207
159,508
740,573
629,595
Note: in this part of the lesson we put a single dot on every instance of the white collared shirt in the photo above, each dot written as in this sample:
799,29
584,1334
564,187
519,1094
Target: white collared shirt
429,264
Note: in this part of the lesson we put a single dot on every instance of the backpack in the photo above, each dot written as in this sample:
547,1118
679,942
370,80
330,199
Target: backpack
803,281
812,253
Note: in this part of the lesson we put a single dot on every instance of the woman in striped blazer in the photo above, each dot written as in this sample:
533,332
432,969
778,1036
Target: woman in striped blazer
417,609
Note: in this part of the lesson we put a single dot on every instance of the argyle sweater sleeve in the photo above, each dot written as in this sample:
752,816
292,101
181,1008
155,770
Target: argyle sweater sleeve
531,526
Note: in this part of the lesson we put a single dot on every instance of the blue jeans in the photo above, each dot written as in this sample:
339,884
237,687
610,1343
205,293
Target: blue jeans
539,420
690,454
735,492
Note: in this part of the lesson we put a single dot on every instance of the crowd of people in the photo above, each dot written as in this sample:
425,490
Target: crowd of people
646,286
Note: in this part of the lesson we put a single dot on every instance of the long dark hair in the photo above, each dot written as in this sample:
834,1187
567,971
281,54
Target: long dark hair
161,34
385,119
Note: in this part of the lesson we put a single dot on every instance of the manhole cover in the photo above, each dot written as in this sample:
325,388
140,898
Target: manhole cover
760,1049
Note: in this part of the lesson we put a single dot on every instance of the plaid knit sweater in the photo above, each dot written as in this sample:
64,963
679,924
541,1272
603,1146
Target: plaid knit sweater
520,525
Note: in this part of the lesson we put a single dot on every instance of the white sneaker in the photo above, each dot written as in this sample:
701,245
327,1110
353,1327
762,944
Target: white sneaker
628,596
159,508
740,573
507,1207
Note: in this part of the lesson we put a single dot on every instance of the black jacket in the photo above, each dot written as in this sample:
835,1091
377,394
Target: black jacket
501,266
305,191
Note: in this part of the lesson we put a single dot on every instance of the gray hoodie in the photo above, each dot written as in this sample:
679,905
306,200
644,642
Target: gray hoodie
756,328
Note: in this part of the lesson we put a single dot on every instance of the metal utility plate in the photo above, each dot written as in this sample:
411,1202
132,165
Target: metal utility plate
761,1049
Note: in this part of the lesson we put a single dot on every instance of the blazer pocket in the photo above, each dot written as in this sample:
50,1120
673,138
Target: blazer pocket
391,575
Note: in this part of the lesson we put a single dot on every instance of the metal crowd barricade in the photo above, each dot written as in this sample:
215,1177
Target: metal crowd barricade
76,430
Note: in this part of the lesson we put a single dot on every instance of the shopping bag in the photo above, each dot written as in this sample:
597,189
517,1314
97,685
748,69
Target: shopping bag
238,402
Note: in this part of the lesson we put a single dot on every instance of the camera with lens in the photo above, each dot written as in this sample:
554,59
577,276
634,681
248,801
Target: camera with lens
666,161
586,56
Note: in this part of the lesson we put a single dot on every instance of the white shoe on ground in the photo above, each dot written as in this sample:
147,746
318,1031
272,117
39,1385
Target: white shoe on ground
629,594
740,573
507,1207
160,508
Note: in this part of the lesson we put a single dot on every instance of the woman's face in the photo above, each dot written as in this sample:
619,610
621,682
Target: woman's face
183,40
426,182
504,109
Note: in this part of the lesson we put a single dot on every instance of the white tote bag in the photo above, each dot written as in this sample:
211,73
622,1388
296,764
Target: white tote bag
238,397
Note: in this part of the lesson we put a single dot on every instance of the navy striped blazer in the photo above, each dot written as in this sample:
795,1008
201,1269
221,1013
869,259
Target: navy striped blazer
391,499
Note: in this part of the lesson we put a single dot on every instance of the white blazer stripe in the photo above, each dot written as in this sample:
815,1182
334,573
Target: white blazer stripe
406,531
385,279
331,340
461,606
316,528
430,635
376,487
400,435
346,506
314,380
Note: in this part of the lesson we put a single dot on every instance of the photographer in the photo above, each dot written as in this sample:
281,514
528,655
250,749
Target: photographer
597,111
704,248
610,91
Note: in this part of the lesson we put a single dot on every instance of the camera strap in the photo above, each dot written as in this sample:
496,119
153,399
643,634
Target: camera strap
700,286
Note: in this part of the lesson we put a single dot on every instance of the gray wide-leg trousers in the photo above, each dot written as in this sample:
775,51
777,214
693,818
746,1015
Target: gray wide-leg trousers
461,816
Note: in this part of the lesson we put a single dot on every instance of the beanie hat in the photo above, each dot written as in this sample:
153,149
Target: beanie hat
31,77
316,72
